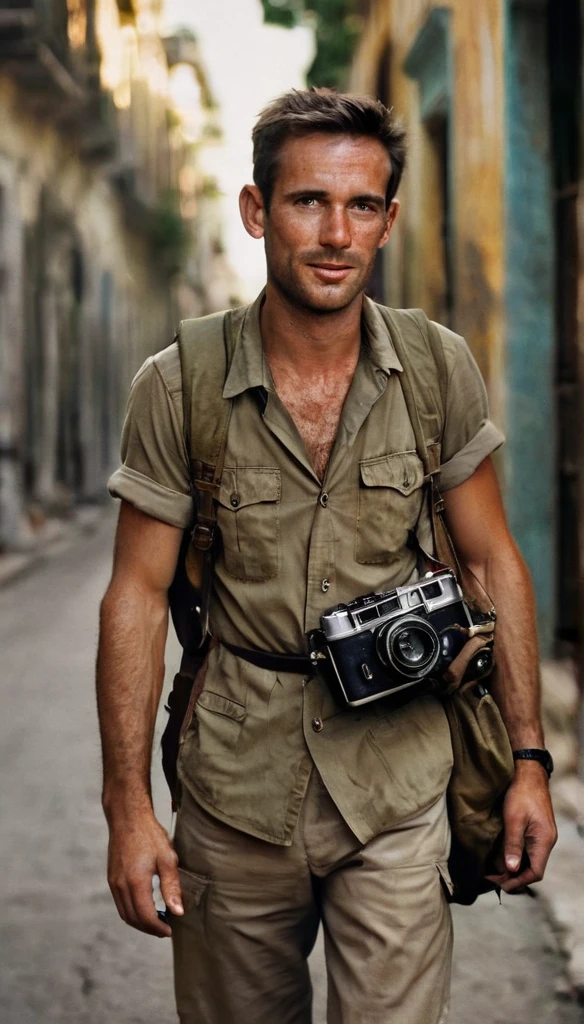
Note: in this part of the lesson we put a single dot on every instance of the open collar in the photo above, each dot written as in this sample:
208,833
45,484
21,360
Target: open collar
249,368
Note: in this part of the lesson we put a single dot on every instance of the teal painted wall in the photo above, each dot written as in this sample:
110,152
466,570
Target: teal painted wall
529,455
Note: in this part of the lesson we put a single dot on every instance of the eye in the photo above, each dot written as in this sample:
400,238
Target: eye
364,207
307,201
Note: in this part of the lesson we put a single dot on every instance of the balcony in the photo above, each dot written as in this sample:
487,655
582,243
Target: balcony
35,49
54,58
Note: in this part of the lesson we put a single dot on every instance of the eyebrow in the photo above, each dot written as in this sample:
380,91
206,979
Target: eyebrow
364,197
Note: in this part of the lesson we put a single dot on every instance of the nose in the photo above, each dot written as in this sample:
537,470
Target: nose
335,228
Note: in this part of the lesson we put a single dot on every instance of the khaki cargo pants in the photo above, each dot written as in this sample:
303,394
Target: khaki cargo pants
252,911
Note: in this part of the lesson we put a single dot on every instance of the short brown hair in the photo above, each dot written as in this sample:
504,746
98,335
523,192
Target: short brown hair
305,111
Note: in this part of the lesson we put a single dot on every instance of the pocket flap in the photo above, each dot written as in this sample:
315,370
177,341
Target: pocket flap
221,705
403,471
249,485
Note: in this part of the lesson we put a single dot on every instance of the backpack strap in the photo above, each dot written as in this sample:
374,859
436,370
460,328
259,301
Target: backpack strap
421,354
206,346
424,366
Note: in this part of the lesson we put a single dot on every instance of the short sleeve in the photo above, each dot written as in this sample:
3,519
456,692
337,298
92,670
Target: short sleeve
154,475
469,434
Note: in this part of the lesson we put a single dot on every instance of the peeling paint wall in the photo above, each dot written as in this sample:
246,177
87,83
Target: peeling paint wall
529,376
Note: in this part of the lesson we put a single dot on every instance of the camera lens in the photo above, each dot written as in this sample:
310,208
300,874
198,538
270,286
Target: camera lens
409,645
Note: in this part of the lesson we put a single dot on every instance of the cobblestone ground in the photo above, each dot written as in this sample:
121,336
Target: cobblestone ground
65,956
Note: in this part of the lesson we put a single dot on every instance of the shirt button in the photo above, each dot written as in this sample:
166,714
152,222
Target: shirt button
325,585
324,499
234,499
317,724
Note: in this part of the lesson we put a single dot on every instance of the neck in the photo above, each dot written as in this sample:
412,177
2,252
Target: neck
311,342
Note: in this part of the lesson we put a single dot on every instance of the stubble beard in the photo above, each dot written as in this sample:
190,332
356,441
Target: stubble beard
333,298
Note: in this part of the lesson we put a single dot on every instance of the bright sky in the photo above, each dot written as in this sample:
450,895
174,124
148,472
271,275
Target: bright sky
248,63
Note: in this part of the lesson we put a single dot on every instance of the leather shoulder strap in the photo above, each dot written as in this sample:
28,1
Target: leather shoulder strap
424,383
424,379
206,348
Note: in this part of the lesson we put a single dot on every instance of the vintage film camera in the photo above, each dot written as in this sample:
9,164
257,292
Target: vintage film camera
405,639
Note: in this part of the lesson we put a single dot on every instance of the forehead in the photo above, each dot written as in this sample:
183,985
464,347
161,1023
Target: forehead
352,163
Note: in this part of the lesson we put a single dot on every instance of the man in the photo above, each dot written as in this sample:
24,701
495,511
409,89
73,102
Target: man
294,809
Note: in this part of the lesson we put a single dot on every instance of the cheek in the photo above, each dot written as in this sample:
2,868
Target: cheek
367,239
295,234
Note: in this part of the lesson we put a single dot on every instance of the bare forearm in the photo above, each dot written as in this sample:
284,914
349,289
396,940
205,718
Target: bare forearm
130,670
516,681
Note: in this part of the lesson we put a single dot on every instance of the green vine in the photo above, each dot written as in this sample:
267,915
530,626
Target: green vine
170,237
337,25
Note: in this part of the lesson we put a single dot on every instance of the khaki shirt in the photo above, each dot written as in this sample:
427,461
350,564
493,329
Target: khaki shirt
293,546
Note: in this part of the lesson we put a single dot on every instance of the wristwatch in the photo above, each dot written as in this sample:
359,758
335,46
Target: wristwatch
535,754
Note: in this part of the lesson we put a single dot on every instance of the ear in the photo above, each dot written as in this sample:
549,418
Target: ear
390,219
252,210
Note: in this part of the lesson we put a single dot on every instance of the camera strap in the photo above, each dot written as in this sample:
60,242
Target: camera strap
272,662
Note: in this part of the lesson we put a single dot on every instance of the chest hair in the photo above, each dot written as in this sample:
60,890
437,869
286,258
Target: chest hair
315,406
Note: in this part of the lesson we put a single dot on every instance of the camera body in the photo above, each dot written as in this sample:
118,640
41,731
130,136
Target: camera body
402,640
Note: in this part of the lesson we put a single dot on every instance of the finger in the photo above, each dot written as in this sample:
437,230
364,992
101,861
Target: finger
539,851
518,882
515,882
513,843
123,906
143,912
170,884
130,914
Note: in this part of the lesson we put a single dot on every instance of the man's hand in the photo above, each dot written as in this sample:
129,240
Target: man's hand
529,828
139,849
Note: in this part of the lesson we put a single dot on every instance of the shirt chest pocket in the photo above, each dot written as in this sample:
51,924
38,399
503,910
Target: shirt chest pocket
390,499
248,515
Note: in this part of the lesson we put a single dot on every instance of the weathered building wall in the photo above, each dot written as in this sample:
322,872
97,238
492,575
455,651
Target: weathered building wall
96,260
83,306
528,371
445,64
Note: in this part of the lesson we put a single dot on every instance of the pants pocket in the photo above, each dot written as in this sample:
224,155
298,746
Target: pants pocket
193,889
445,880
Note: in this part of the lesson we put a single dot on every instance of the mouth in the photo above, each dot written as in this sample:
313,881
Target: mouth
331,271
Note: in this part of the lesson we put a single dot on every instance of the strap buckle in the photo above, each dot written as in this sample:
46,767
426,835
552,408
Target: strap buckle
202,536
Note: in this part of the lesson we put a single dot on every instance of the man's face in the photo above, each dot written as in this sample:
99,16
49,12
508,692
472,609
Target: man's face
327,218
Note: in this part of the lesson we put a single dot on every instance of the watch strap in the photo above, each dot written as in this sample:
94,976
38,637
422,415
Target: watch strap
535,754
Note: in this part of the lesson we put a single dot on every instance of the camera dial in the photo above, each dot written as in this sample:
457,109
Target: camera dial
409,645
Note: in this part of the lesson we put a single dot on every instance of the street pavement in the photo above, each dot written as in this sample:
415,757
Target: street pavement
64,954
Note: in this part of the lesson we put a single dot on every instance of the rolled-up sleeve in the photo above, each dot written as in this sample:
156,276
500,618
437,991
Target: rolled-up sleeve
154,475
469,434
